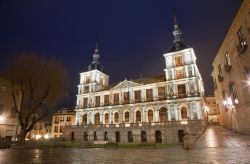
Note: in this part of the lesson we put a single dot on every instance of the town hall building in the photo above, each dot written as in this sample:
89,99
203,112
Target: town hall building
153,109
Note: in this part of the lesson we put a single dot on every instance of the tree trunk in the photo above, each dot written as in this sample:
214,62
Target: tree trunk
23,134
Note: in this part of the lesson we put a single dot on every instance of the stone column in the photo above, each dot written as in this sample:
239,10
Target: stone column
143,114
110,116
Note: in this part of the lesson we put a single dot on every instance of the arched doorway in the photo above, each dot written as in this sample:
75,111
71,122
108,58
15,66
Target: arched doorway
97,119
95,136
143,137
163,113
138,116
150,116
106,136
184,113
180,136
126,116
85,136
106,117
72,136
116,117
158,136
84,119
117,137
130,136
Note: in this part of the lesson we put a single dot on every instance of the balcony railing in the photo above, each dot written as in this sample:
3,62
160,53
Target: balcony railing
241,47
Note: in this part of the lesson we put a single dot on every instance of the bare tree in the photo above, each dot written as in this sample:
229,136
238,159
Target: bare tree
37,85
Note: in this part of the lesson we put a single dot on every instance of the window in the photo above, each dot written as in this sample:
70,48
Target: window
56,120
126,97
84,119
178,61
190,71
61,119
181,91
150,116
106,118
233,93
228,65
149,94
85,102
242,41
191,87
179,74
138,116
161,93
86,89
171,92
60,129
116,117
137,96
87,79
97,119
68,119
126,116
163,114
106,100
97,101
215,84
116,98
220,77
56,129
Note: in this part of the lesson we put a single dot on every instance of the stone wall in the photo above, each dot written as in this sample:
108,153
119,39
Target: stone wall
168,130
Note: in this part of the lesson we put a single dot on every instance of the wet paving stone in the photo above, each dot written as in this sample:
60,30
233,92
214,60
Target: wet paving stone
217,146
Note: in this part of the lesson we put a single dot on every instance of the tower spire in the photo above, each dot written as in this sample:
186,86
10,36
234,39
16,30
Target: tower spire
95,61
177,31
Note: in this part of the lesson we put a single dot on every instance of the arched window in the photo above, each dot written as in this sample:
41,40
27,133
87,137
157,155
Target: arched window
138,116
163,113
116,117
184,113
150,116
106,118
84,119
97,118
126,116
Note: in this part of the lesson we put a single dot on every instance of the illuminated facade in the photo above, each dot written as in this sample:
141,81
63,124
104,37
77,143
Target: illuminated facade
231,74
142,109
60,119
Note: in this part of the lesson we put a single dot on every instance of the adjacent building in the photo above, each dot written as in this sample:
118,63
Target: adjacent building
231,73
9,128
212,111
62,118
152,109
41,130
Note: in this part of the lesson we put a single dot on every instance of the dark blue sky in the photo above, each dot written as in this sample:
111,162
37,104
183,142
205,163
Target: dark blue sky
133,33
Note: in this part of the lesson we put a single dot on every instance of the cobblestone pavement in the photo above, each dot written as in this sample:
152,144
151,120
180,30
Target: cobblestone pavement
216,146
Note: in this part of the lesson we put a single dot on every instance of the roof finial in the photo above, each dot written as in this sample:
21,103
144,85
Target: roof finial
96,44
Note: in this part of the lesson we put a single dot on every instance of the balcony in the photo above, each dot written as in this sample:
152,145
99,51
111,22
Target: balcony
241,47
228,67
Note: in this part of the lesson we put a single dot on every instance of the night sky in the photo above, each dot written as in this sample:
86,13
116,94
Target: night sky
133,33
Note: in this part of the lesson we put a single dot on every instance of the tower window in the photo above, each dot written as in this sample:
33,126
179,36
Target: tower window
97,101
181,91
87,79
138,96
179,74
116,98
85,102
178,61
149,94
161,93
126,97
106,100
